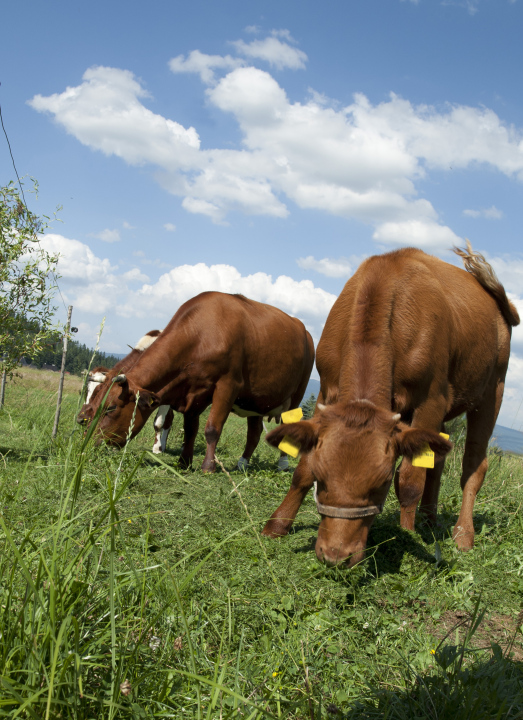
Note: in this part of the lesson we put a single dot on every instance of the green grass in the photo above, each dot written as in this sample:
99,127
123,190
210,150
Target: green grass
133,589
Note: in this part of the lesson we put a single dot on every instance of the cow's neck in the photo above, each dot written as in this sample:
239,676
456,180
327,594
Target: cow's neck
366,374
367,364
161,368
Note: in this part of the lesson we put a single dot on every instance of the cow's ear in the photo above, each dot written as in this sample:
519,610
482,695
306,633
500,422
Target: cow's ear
412,441
148,400
304,433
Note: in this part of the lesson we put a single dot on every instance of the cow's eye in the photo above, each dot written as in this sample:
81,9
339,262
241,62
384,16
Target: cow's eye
111,408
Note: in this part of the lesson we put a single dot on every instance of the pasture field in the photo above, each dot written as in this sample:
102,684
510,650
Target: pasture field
133,589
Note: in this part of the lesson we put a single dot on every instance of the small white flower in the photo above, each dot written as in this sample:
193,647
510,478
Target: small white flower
365,626
154,642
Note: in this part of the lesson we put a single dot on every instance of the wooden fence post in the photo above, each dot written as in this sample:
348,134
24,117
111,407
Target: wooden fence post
62,372
2,390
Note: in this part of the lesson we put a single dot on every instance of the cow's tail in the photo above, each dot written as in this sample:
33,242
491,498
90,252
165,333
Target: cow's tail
476,265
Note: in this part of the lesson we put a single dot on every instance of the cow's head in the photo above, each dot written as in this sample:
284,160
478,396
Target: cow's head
351,450
121,399
94,380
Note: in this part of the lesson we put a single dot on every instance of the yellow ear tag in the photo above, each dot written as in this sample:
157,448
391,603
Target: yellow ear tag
292,416
287,445
426,457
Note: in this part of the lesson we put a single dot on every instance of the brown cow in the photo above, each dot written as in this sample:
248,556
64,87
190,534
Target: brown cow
410,343
238,354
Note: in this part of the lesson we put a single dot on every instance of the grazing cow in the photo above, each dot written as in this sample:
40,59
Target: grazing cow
164,417
226,350
410,343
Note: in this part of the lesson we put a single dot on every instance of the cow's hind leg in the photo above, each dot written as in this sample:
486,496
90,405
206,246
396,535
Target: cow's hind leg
254,431
281,520
222,400
480,424
191,422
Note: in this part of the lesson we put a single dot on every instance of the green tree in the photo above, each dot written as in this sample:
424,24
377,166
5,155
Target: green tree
26,294
308,407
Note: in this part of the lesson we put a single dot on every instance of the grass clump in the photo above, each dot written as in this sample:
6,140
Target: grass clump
132,589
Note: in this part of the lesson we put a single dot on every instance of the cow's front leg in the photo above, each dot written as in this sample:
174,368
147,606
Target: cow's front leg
191,422
162,426
429,499
281,520
254,431
409,483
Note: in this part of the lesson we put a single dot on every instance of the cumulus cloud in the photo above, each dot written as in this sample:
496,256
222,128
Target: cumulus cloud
108,236
422,234
105,113
203,65
96,287
169,227
511,413
361,162
491,213
278,54
342,267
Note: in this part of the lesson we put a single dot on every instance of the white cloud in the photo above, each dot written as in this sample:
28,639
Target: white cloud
128,226
511,413
299,298
96,287
105,113
203,65
360,162
278,54
77,261
169,227
509,269
342,267
108,236
422,234
491,213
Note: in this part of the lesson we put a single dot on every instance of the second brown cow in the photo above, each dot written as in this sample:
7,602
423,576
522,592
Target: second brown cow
221,350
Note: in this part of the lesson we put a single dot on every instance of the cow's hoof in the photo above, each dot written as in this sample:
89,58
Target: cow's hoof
464,540
276,528
209,467
157,451
243,464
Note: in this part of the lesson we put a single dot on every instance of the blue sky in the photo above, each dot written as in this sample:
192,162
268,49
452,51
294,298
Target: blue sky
263,148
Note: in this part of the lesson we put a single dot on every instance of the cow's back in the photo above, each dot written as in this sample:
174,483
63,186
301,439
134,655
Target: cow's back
215,334
432,322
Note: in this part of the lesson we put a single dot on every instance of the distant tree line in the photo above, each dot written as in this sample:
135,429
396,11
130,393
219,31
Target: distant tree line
78,357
